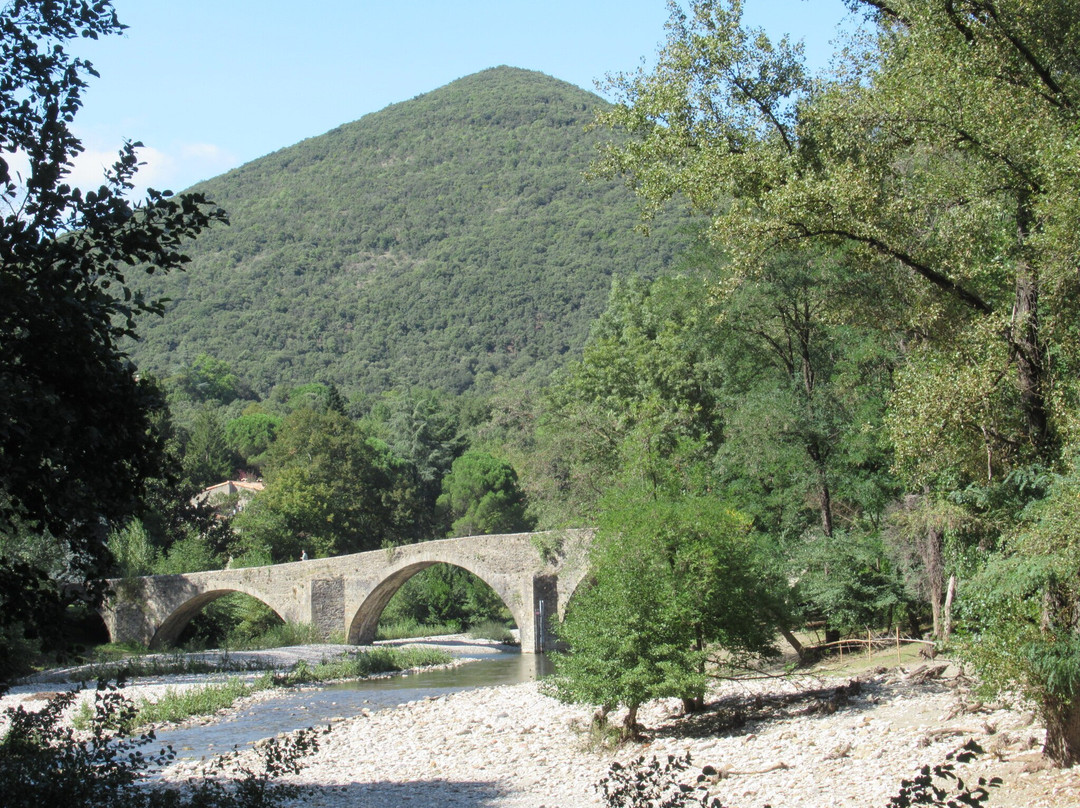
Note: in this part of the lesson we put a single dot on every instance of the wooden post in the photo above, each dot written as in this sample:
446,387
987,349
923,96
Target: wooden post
897,643
869,645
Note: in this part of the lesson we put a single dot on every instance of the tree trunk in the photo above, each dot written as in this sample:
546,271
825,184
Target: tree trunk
1061,715
935,612
826,504
930,548
1024,337
693,704
1062,721
824,495
793,641
630,724
950,595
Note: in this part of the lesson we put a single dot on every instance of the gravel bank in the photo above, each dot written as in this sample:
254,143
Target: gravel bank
34,691
513,747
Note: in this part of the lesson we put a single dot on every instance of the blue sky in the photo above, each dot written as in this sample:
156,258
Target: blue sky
209,85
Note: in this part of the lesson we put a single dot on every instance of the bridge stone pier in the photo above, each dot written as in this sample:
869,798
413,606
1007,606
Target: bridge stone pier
535,574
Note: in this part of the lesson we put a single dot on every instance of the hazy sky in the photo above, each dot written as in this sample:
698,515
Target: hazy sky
207,86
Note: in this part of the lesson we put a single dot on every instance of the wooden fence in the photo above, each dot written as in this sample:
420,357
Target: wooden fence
889,641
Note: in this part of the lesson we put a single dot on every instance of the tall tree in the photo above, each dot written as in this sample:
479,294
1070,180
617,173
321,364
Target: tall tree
75,439
481,495
640,408
208,458
803,396
330,489
676,584
938,163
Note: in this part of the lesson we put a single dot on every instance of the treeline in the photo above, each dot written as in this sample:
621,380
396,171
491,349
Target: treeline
340,477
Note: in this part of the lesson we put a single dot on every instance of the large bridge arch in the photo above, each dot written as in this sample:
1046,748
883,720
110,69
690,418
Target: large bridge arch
365,619
174,624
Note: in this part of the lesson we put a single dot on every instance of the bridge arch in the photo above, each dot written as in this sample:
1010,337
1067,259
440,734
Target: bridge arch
365,619
174,624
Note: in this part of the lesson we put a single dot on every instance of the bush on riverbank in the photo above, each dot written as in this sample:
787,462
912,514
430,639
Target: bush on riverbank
177,705
284,635
365,663
492,630
44,763
406,628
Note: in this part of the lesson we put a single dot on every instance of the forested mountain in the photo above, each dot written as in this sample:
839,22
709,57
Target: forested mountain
436,242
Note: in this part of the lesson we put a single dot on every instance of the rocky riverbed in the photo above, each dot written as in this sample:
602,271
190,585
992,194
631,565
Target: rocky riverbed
810,741
778,742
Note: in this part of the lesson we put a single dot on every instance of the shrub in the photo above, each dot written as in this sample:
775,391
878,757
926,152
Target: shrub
492,630
45,763
178,705
363,663
651,785
408,628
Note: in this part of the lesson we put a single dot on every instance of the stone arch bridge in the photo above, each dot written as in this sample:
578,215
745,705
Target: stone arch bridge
534,573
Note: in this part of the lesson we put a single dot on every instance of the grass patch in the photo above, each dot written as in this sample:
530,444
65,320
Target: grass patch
176,705
113,651
855,661
492,630
364,663
282,635
408,628
207,700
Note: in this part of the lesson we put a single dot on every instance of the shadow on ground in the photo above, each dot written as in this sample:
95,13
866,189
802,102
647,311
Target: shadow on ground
732,713
421,793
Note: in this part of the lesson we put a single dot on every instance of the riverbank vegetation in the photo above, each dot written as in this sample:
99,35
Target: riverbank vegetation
851,405
42,761
177,705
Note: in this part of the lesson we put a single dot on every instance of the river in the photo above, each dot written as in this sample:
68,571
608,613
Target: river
320,705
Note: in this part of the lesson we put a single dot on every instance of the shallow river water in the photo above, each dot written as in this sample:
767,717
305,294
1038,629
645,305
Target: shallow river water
305,707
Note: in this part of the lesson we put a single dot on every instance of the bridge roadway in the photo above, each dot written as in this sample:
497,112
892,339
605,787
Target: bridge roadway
535,574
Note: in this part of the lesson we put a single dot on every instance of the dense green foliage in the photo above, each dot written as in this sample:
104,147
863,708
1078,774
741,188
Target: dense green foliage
330,489
436,242
673,582
481,495
77,440
1021,614
931,173
43,762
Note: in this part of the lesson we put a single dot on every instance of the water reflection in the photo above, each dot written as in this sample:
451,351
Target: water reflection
294,709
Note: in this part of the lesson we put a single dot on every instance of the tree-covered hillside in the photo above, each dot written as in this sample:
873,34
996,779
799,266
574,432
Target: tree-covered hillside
436,242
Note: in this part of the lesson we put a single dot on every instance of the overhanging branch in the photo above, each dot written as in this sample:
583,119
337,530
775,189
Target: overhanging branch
946,284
